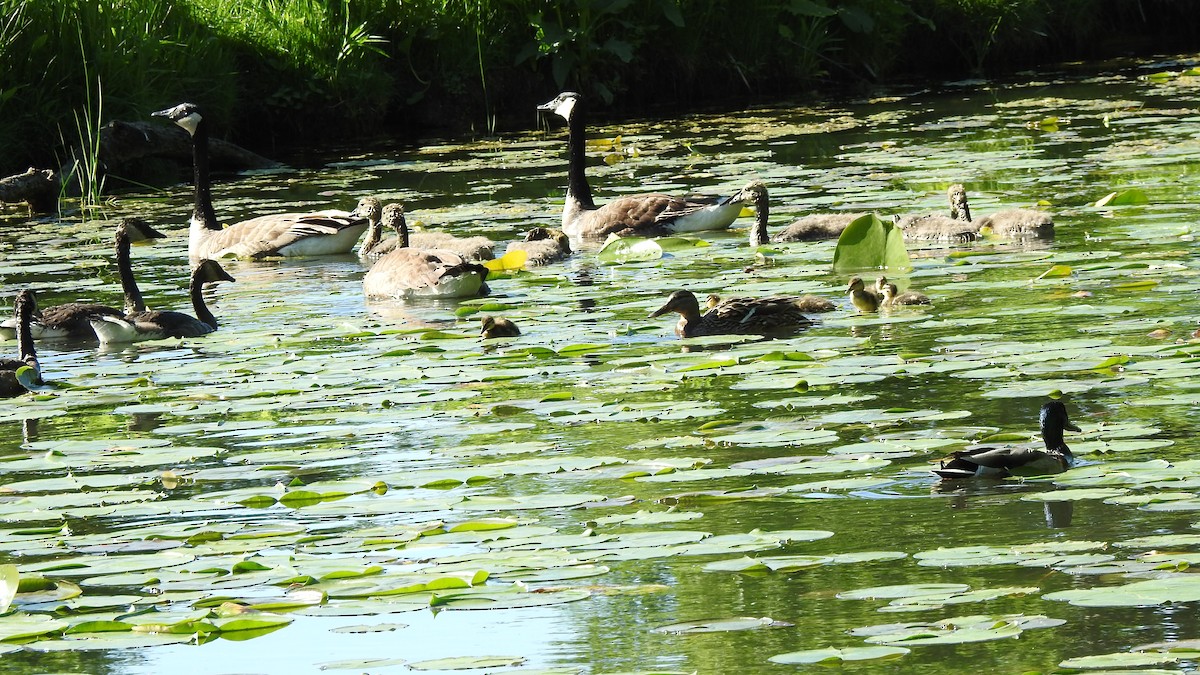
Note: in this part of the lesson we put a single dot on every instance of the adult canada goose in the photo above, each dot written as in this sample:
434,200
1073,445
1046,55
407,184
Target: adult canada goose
738,316
157,325
809,304
1017,460
891,297
645,215
281,234
409,272
374,246
71,320
934,227
815,227
863,298
10,383
498,326
542,246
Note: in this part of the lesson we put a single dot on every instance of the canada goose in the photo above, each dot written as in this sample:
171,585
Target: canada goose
373,246
645,215
749,316
863,298
542,246
281,234
809,304
891,297
409,272
10,383
157,325
498,326
1017,460
934,227
71,320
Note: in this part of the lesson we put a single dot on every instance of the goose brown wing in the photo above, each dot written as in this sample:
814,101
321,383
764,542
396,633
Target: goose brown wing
169,323
266,235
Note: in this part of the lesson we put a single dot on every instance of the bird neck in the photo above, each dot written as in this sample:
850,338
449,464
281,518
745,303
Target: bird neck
25,338
577,185
758,231
402,233
374,236
1054,440
133,295
202,209
196,290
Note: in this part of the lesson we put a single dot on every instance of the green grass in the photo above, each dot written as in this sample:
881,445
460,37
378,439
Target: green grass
285,72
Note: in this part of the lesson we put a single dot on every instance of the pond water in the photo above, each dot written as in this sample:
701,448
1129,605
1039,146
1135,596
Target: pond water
330,485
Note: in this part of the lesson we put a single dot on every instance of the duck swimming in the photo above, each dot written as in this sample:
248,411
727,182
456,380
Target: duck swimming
734,316
497,326
1017,460
644,215
863,298
890,294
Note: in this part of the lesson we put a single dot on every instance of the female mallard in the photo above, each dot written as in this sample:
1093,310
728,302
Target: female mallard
736,316
863,298
409,272
933,227
542,246
374,246
10,383
1017,460
645,215
158,325
814,227
497,326
280,234
72,320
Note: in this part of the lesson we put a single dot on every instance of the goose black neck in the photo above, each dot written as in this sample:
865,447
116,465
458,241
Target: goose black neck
25,335
577,185
133,295
196,289
202,210
758,231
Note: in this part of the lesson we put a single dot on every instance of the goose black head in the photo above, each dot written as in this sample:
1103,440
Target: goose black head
186,115
210,270
137,230
562,105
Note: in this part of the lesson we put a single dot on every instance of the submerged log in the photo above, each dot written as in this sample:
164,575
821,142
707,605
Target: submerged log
122,146
39,189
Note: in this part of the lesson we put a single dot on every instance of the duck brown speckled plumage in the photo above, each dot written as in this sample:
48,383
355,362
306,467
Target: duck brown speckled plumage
776,315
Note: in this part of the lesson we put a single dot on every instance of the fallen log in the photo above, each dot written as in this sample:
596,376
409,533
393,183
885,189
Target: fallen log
122,146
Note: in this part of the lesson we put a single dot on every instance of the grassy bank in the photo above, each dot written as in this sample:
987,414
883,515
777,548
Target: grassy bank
287,71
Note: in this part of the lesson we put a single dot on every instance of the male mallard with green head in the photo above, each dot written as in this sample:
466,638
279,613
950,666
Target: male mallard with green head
1017,460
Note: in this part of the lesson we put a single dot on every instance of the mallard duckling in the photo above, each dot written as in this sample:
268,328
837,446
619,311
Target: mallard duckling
892,296
863,299
23,311
281,234
159,325
497,326
542,246
409,272
808,228
72,320
645,215
736,316
1017,460
809,304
